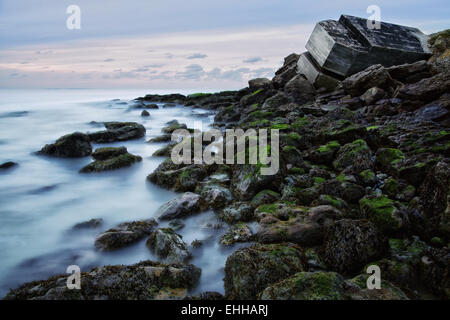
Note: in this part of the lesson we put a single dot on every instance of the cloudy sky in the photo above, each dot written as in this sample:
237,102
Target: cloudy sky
172,44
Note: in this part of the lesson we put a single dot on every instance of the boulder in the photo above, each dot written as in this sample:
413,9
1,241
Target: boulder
112,159
118,131
351,244
239,232
91,224
299,89
184,205
145,113
383,213
356,155
168,245
286,72
307,286
215,196
259,83
374,76
248,271
124,234
72,145
146,280
237,211
306,230
7,165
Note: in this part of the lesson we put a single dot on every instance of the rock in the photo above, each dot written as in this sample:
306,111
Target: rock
176,224
286,72
169,105
216,196
307,286
161,138
373,76
435,192
93,223
306,230
356,155
324,154
308,67
250,270
426,90
7,165
184,205
237,211
239,232
372,95
357,289
72,145
350,244
275,101
118,131
259,83
114,162
172,126
389,159
145,113
108,152
265,197
152,106
124,234
411,73
347,46
168,245
146,280
299,89
383,213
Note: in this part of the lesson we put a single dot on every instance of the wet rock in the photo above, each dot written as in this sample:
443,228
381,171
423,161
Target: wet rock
239,232
265,197
176,177
356,154
176,224
173,125
306,230
389,159
72,145
237,211
216,196
168,245
356,289
250,270
145,113
108,152
300,89
259,83
146,280
114,159
324,154
91,224
383,213
161,138
184,205
124,234
372,95
7,165
307,286
373,76
118,131
350,244
286,72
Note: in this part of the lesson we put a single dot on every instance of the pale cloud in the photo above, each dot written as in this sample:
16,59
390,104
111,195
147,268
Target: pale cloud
197,56
252,60
127,62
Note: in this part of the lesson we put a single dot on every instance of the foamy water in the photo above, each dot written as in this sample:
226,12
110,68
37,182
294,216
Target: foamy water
43,197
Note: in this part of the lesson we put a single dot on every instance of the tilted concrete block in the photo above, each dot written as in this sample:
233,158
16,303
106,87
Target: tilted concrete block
348,46
308,67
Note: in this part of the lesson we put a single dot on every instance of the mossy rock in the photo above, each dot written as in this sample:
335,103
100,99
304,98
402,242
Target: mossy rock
307,286
357,289
390,159
356,154
108,152
121,161
383,212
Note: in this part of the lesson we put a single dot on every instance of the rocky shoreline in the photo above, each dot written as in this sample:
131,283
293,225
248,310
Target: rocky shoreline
364,180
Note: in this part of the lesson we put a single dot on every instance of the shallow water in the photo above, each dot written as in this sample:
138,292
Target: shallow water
43,197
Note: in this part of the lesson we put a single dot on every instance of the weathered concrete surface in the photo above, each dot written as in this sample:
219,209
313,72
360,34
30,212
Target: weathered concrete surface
307,66
348,46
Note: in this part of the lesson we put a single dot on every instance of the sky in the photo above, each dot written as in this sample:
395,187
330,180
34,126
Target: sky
173,44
